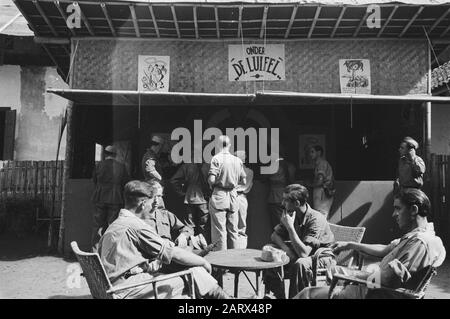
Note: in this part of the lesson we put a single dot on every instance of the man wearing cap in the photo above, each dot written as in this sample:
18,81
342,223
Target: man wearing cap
410,166
242,191
131,252
151,166
225,174
109,178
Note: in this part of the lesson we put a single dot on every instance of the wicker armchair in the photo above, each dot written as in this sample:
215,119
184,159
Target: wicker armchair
344,258
101,287
425,275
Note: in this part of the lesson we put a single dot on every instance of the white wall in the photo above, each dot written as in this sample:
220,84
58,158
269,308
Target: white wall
38,113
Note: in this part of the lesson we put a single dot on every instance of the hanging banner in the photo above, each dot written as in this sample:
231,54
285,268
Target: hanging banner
252,62
153,73
354,75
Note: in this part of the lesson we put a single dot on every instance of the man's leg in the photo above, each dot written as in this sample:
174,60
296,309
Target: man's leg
168,289
218,228
272,282
203,221
301,274
188,219
99,223
313,293
242,221
232,219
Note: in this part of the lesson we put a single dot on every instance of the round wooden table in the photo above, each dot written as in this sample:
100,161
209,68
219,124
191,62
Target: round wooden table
242,260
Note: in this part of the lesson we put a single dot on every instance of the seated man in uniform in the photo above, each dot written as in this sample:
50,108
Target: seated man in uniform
167,224
131,252
306,230
402,259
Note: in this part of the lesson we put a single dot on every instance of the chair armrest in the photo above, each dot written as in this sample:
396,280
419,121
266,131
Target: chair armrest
363,257
398,293
150,281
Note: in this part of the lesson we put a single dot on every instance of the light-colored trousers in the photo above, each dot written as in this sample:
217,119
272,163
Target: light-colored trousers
322,202
242,221
173,288
224,225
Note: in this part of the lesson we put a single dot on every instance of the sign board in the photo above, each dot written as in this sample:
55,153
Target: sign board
354,76
153,73
253,62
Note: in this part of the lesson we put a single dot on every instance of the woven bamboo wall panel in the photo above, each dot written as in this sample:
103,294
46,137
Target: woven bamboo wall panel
397,67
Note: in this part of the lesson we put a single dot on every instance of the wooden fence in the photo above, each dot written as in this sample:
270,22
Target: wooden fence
440,195
37,181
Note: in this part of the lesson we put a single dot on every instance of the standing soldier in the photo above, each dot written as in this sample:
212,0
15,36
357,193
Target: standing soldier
110,176
151,166
225,174
191,181
242,191
410,166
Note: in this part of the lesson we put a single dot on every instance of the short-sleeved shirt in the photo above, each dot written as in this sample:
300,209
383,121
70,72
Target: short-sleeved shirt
311,227
129,242
150,164
410,172
414,251
408,255
229,172
167,225
189,173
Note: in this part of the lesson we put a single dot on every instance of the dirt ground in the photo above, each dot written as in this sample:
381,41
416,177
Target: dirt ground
27,272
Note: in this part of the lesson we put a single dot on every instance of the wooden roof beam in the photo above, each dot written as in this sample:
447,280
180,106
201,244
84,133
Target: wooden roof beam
240,31
411,21
363,20
263,22
291,21
341,15
108,19
53,58
195,21
442,17
155,24
135,22
216,14
445,32
46,19
316,17
387,21
175,21
85,20
64,16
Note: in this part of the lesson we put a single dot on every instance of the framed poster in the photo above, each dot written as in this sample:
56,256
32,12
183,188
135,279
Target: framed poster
153,73
354,75
305,142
